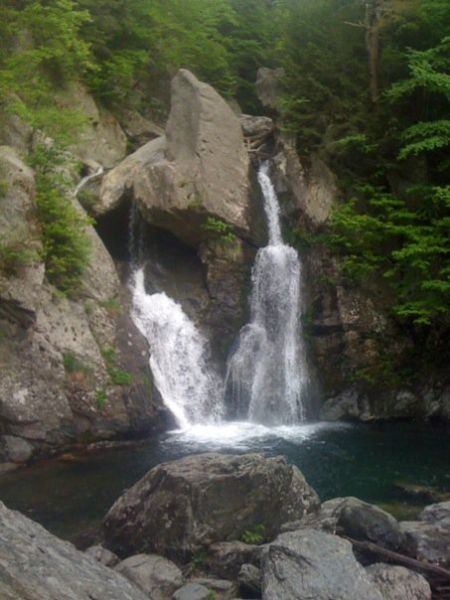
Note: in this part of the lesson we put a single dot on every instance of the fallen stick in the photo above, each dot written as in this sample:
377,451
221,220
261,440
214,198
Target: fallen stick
413,563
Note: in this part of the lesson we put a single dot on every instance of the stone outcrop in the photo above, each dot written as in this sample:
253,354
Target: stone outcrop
194,183
100,140
314,564
53,348
183,506
35,565
198,170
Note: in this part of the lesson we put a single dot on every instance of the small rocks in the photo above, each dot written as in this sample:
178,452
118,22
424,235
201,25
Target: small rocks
249,579
226,558
192,591
103,556
155,575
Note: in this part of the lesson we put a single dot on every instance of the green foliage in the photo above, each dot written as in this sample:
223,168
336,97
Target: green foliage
112,305
3,188
15,255
219,229
255,535
101,398
410,248
117,375
72,364
198,559
41,51
66,246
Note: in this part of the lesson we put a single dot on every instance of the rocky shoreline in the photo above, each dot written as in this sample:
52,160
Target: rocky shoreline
223,527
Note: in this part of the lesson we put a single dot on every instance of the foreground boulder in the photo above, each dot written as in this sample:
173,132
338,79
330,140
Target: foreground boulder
429,537
315,565
181,507
35,565
398,583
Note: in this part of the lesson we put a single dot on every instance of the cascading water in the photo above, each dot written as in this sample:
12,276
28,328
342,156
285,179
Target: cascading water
266,375
190,388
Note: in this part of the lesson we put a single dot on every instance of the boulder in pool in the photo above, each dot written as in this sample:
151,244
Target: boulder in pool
181,507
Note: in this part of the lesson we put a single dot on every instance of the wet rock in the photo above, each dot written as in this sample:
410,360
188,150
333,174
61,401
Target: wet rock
35,565
181,507
15,449
346,405
398,583
419,493
363,521
155,575
225,559
103,556
249,579
313,564
259,127
429,538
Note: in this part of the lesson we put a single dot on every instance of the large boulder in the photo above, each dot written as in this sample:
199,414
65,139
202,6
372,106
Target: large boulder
35,565
314,564
181,507
398,583
429,537
363,521
199,170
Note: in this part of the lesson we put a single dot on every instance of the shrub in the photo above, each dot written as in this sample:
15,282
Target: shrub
72,364
13,257
255,535
219,228
66,246
101,398
117,376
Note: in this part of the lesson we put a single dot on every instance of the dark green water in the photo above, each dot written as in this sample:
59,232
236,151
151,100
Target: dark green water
71,497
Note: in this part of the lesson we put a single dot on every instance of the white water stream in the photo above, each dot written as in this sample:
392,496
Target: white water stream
266,374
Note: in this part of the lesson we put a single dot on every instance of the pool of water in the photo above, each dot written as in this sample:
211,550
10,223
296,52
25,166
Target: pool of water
71,496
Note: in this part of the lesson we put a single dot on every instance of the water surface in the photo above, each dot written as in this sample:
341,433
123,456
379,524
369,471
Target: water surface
70,497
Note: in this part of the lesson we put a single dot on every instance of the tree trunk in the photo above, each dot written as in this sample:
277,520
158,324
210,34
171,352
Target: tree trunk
373,14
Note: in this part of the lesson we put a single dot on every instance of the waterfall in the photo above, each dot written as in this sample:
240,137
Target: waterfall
85,180
178,360
183,375
266,374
